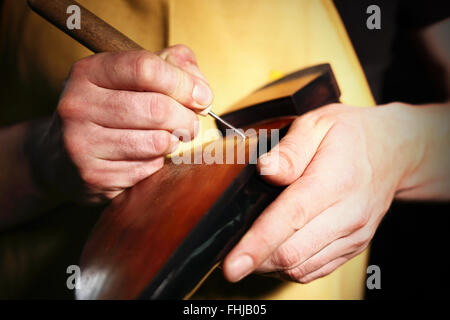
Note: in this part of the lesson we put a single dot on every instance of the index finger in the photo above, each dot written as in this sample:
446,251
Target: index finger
297,205
144,71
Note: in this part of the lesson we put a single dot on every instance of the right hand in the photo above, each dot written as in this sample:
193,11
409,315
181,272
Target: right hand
113,124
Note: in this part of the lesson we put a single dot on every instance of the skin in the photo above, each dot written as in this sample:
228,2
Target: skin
343,167
111,129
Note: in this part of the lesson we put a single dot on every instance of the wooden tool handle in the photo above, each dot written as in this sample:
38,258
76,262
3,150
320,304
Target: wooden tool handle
95,34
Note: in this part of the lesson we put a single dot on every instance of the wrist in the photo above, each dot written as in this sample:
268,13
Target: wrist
403,140
422,145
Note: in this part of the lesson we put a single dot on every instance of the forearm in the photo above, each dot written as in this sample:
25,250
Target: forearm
428,175
21,197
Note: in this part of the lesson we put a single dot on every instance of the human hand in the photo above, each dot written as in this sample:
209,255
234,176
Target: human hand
343,166
114,119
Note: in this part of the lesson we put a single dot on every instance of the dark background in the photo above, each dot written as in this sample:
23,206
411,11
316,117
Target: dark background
411,244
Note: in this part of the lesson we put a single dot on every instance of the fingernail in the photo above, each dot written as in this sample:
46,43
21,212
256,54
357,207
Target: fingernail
240,267
202,95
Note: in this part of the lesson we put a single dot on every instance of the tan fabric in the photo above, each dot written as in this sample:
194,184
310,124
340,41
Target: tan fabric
240,45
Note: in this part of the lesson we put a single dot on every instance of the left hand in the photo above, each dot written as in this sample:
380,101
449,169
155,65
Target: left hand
343,166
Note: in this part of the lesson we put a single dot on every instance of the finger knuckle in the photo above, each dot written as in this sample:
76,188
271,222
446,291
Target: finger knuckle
80,67
360,240
158,111
180,85
121,104
147,67
188,130
363,219
360,220
298,216
263,239
159,142
323,117
68,108
90,176
304,280
128,143
184,53
358,243
306,119
295,274
286,256
182,49
317,271
322,120
290,152
310,278
193,124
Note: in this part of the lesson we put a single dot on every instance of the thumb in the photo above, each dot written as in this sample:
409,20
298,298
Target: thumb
287,161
